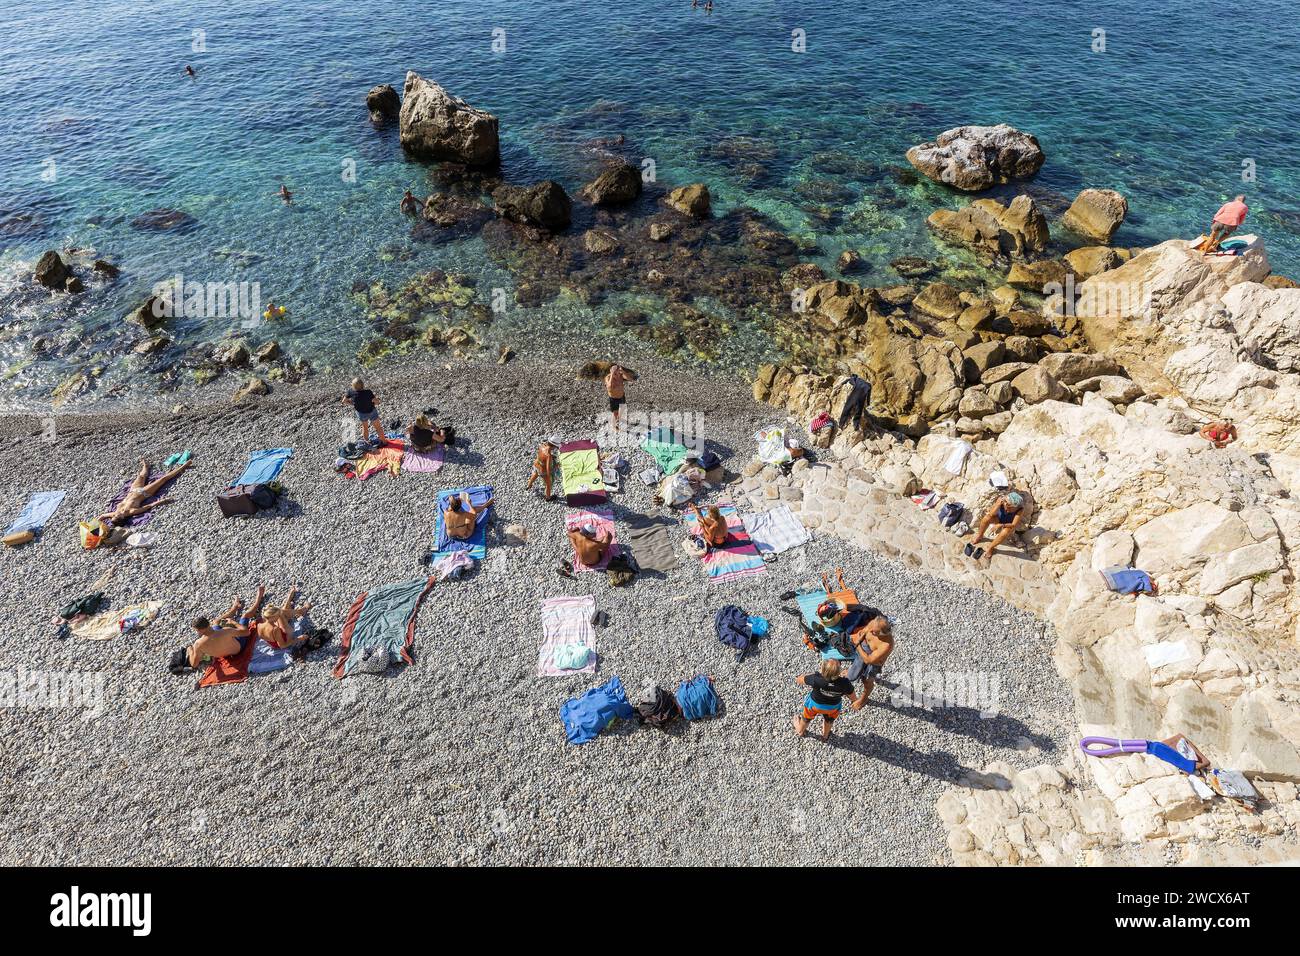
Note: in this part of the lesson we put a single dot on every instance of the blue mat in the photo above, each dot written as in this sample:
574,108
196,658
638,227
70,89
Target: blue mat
37,511
477,544
263,466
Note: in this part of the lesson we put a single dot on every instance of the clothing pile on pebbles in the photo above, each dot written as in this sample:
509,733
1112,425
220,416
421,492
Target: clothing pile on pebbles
461,758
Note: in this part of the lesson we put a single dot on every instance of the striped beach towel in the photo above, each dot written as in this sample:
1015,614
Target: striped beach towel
603,519
737,558
777,530
566,620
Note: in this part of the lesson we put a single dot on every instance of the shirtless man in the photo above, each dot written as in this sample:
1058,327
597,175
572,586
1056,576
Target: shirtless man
589,545
713,526
544,466
286,195
461,516
874,643
137,497
615,380
409,203
235,628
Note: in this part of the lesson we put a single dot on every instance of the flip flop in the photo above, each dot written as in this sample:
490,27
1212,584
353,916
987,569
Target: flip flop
968,550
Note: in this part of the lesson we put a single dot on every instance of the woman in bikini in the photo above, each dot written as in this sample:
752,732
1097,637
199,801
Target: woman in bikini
713,526
236,628
137,497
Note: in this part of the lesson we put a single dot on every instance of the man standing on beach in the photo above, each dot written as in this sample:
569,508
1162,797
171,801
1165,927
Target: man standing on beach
615,380
1226,221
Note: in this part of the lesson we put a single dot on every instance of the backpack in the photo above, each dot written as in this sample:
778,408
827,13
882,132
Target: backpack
732,626
657,707
710,460
620,571
951,513
264,496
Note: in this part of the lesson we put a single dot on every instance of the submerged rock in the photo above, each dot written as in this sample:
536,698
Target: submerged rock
163,220
51,271
437,125
973,158
383,103
545,205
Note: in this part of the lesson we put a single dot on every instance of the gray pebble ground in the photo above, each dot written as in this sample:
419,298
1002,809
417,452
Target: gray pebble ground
461,758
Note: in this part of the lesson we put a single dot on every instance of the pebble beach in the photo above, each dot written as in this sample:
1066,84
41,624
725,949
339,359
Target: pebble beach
460,758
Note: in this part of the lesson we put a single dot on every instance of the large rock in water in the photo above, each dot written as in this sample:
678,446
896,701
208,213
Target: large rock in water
383,103
691,200
972,158
545,205
620,183
994,231
437,125
51,271
1096,213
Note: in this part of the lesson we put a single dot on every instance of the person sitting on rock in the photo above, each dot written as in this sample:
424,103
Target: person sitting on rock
544,466
409,203
1221,434
713,526
461,516
1002,520
589,544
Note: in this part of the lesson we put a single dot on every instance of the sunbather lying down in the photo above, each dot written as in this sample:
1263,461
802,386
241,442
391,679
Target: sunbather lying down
137,497
229,635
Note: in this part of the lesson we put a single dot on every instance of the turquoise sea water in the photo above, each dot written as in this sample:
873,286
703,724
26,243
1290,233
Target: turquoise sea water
1182,95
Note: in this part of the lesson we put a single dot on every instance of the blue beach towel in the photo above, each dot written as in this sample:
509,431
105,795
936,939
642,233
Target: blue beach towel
1127,580
586,716
37,511
697,698
443,543
263,466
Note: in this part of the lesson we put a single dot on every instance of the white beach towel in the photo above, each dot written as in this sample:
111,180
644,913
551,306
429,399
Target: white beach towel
776,531
957,457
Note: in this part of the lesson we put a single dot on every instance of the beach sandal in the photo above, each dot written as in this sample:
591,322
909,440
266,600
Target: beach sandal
788,596
968,549
600,619
769,557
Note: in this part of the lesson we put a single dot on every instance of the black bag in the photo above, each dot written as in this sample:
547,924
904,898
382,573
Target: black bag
658,710
264,496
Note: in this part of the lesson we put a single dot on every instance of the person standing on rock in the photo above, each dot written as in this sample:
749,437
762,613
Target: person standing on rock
827,689
544,466
1226,221
615,380
856,403
1002,520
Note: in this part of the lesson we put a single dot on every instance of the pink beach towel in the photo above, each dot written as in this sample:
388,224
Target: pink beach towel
424,461
603,519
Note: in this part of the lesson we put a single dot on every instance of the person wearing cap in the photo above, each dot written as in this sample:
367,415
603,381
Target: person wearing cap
544,466
589,545
1002,521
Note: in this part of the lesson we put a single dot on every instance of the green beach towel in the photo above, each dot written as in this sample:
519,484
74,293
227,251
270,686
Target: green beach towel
667,455
382,621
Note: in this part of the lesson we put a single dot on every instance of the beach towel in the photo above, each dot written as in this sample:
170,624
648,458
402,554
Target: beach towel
738,557
140,520
36,512
665,450
956,459
697,698
382,621
387,457
426,462
267,659
580,477
603,519
110,624
586,716
772,449
229,670
1127,580
651,547
566,621
263,466
776,531
476,546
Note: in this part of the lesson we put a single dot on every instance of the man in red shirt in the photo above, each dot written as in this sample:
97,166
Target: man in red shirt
1226,221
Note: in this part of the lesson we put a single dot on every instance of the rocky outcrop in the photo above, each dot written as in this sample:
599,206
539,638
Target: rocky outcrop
692,200
1268,324
51,271
436,125
973,158
1088,261
383,103
1095,214
545,205
993,231
619,184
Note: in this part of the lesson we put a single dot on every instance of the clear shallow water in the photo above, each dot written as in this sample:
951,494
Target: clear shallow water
97,88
